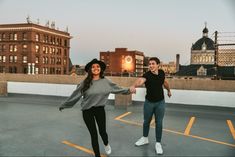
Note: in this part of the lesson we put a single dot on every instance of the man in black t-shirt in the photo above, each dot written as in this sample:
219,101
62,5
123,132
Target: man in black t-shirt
154,81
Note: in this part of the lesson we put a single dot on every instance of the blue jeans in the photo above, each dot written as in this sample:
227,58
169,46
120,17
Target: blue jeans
158,109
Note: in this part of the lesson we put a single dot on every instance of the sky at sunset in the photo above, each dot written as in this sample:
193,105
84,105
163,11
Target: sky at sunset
161,28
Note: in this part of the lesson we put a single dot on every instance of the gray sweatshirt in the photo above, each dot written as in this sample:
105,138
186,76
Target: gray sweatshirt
96,95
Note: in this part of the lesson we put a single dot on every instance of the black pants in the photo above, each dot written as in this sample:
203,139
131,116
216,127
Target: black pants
91,117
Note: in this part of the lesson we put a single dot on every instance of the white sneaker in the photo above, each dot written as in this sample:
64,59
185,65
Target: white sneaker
107,149
142,141
158,148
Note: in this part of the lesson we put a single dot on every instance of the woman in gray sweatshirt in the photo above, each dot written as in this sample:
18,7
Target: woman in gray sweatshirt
94,91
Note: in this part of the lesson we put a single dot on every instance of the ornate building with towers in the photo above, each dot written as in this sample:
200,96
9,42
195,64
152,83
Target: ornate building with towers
203,50
211,58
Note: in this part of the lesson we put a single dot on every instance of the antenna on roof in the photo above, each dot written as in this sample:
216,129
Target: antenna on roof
38,21
53,24
205,24
28,19
47,23
67,29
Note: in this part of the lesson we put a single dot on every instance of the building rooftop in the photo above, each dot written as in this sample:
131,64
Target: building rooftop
32,125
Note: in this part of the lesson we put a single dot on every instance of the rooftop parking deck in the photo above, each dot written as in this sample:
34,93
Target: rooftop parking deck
32,125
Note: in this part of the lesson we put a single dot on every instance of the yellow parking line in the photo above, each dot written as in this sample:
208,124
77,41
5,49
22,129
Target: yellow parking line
214,141
230,125
123,115
140,124
180,133
80,148
130,122
189,126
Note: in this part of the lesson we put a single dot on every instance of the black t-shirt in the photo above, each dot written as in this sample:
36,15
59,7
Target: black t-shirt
153,84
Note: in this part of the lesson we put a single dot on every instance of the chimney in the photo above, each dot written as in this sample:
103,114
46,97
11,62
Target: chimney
177,62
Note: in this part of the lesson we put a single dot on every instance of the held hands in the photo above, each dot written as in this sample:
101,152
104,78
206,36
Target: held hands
169,93
132,89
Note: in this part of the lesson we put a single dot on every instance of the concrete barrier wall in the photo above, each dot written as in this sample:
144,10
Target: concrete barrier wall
185,91
189,97
186,84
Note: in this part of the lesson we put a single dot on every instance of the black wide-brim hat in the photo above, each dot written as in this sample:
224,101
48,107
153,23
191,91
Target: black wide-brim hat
95,61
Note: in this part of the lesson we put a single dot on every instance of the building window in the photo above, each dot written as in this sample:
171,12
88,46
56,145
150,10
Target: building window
25,70
2,69
11,36
45,38
37,60
43,60
204,46
46,50
10,69
11,48
53,51
25,46
3,36
65,52
10,59
58,70
25,36
65,43
45,70
15,36
37,48
36,70
46,60
52,70
52,60
58,51
0,58
15,48
3,48
58,61
57,41
15,59
37,37
3,59
50,50
25,59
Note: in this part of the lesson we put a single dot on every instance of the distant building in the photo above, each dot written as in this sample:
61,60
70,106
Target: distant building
78,70
203,51
202,61
122,62
33,49
168,68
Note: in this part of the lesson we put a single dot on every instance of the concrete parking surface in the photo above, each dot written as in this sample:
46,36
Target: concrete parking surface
32,125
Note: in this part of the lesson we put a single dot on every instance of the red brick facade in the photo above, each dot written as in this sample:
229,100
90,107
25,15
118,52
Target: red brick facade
123,62
33,49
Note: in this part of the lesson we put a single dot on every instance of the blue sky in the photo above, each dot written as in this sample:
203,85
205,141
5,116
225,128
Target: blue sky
159,28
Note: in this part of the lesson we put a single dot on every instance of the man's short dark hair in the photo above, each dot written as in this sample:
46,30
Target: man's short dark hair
154,59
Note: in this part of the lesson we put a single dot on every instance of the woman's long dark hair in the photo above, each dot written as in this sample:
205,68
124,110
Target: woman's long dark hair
88,80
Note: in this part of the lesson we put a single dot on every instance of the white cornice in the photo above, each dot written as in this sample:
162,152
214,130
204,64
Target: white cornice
33,28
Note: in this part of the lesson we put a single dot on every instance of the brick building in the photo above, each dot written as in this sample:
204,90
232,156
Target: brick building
33,49
123,62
